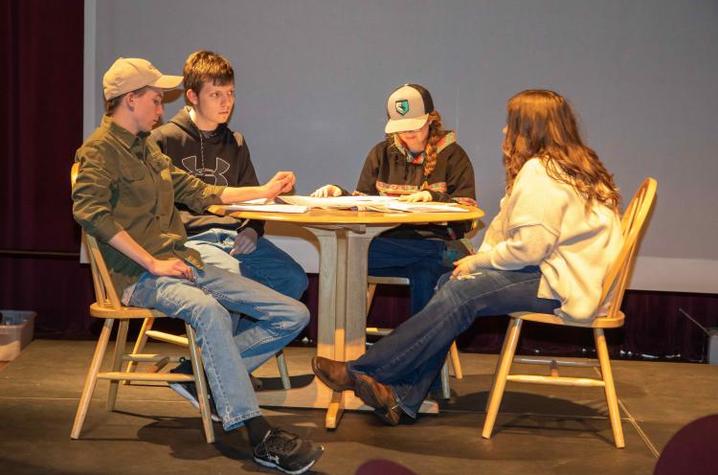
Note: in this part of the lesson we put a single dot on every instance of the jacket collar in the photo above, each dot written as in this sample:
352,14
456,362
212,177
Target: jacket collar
127,138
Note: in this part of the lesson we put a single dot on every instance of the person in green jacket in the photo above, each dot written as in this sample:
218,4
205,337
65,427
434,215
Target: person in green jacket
124,196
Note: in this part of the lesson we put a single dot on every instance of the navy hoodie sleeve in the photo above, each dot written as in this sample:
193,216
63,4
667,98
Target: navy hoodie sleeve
247,176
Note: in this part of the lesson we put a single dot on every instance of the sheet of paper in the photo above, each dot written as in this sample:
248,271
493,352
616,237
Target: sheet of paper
425,207
384,204
337,202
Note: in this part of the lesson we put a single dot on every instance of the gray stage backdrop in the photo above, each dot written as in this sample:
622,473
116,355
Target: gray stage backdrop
313,76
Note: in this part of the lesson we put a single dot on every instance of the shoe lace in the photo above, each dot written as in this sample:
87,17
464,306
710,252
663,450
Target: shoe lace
280,441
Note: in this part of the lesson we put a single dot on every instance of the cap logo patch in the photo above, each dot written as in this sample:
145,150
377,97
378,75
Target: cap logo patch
402,106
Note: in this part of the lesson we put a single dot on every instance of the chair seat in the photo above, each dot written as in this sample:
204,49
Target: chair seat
598,322
100,311
377,279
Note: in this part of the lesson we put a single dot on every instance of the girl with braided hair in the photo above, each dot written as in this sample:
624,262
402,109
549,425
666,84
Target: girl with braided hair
418,161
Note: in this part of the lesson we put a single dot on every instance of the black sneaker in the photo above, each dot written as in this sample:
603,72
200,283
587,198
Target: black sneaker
189,391
287,452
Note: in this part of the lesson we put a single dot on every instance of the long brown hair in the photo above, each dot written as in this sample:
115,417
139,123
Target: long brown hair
436,133
540,123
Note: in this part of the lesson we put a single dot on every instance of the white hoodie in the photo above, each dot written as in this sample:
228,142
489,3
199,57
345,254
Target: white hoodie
544,222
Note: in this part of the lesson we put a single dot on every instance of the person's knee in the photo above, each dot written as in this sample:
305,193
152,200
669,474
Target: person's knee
298,318
208,315
449,291
297,282
443,280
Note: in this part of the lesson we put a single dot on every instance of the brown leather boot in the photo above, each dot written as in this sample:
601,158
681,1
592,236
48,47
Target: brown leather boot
379,396
333,373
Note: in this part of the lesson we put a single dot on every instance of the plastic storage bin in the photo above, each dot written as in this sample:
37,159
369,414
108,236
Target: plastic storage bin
16,330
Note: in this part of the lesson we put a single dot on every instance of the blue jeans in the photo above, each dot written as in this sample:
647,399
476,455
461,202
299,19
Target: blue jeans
418,259
231,347
410,358
267,265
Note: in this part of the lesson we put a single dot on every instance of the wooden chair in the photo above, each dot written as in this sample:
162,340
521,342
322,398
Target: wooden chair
109,308
614,286
372,282
146,332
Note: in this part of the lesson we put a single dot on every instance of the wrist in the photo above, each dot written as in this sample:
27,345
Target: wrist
263,191
150,264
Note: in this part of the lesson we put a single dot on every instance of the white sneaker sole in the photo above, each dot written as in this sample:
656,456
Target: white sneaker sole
266,463
180,389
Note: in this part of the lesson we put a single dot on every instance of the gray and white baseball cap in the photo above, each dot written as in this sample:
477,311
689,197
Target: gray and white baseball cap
408,108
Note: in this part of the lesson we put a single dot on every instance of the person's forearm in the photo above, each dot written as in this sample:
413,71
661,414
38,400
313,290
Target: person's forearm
126,244
244,193
170,267
525,246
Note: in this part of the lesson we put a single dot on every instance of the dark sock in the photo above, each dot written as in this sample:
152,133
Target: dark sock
257,428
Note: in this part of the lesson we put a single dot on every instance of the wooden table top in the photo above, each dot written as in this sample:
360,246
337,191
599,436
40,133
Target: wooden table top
336,216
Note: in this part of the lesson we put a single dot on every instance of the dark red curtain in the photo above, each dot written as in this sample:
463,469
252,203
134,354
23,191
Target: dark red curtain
41,86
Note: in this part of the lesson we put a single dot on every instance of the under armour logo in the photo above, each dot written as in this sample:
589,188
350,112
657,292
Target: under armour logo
212,176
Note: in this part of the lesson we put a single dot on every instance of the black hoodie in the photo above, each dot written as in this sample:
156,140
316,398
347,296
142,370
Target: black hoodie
218,158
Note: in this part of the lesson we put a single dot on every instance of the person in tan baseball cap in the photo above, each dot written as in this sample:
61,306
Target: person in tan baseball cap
124,195
128,81
130,74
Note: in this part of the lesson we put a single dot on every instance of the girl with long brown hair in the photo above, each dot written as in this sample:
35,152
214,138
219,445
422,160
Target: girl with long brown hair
548,250
418,161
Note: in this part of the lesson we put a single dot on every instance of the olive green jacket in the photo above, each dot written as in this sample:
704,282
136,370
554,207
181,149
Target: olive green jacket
125,183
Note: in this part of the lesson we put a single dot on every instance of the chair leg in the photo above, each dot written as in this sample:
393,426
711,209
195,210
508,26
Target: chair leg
201,385
283,372
502,372
91,379
370,290
455,361
445,385
611,399
120,345
139,345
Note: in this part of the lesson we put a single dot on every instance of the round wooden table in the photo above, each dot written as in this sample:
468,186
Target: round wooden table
344,237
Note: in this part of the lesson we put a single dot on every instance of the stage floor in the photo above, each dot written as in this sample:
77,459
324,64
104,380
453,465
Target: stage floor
540,430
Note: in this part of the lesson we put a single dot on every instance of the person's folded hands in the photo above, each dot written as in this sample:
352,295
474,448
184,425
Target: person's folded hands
326,191
419,196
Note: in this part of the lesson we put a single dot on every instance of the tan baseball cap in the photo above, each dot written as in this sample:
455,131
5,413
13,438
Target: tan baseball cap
408,108
129,74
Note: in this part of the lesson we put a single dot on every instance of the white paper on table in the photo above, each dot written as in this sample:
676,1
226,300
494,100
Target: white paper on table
266,206
423,207
386,204
338,202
